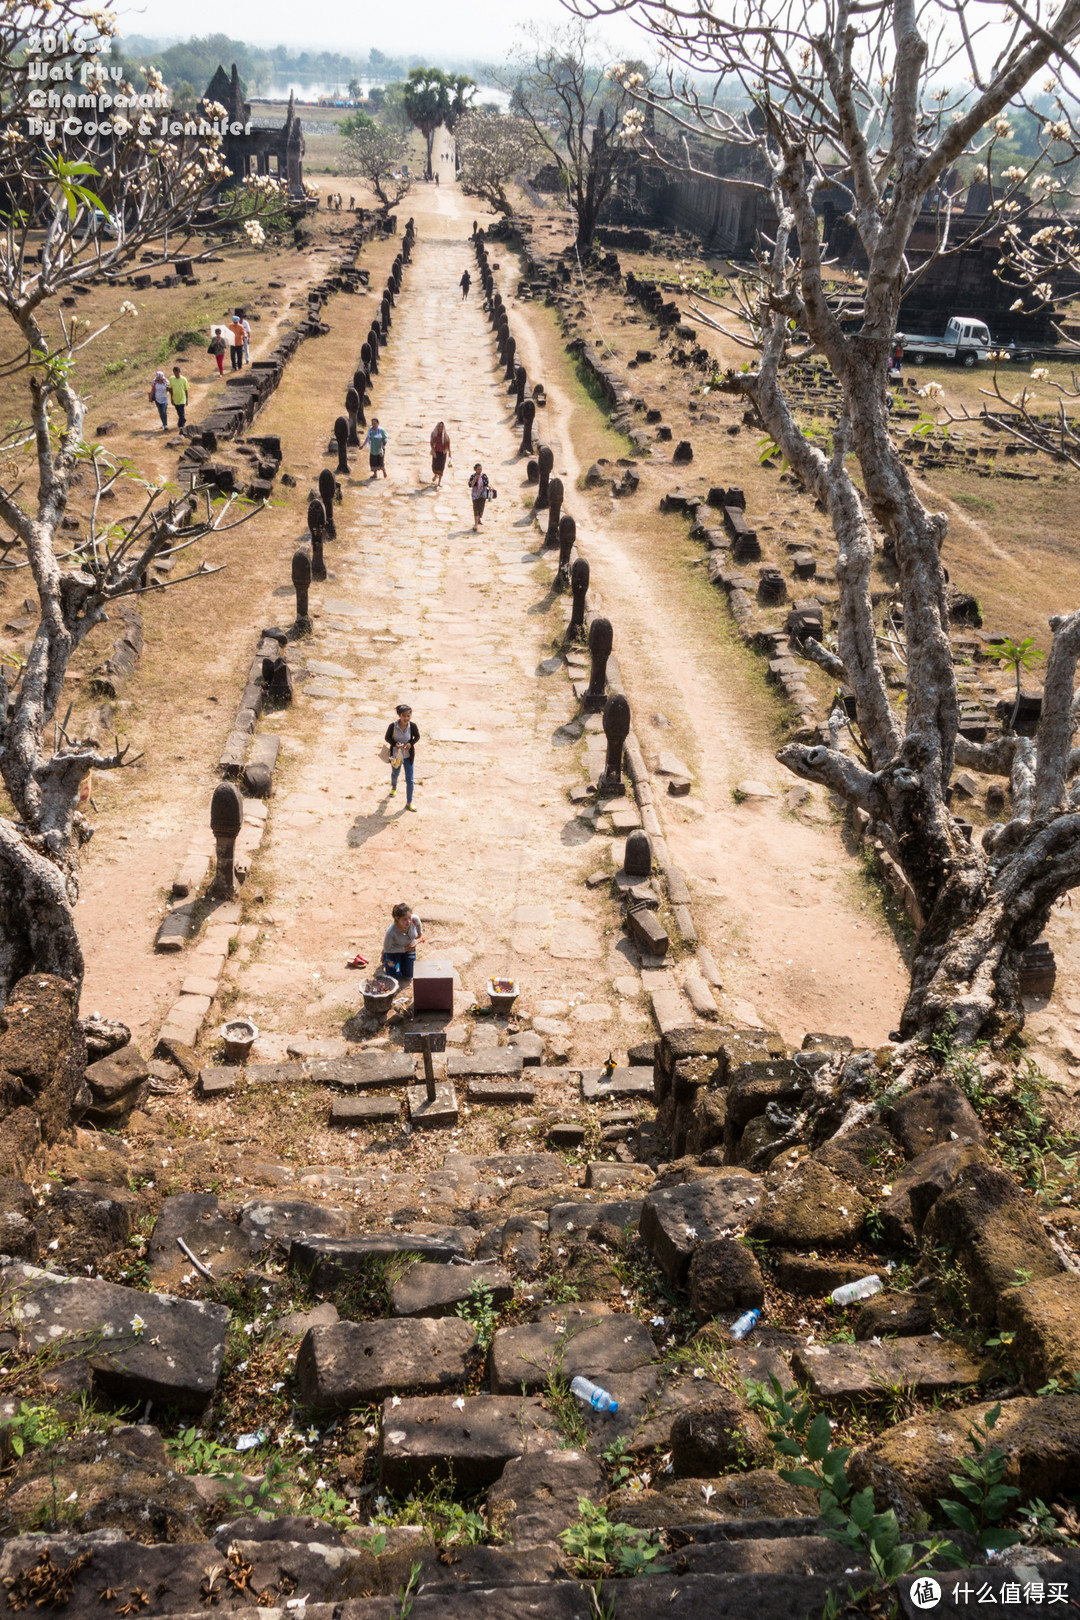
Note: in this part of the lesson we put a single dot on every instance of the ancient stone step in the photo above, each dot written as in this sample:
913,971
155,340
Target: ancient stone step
363,1070
500,1093
469,1440
332,1260
571,1218
484,1065
432,1289
604,1175
357,1363
134,1346
674,1220
924,1364
197,1218
598,1087
279,1222
364,1110
572,1339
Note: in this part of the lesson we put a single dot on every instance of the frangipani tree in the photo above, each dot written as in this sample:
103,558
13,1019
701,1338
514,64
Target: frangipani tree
75,205
857,95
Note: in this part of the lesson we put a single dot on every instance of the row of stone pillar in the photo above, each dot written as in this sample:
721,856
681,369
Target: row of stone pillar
307,567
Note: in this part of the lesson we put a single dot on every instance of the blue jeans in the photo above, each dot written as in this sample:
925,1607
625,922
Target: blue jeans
163,412
400,966
395,771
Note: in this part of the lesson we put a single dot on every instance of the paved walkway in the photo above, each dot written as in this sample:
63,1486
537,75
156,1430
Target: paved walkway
420,609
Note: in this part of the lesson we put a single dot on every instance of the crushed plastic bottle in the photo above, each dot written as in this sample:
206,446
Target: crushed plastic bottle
593,1395
248,1442
865,1288
745,1324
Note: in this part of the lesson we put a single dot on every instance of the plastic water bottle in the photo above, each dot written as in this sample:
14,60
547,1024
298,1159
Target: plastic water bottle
745,1324
593,1395
863,1289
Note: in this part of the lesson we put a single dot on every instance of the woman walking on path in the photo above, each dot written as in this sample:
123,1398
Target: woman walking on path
216,347
402,736
440,449
481,491
246,329
375,443
465,283
159,396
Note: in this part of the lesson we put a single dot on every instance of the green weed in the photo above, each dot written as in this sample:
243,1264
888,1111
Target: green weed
597,1547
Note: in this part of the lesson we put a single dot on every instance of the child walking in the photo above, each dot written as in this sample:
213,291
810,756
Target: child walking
405,933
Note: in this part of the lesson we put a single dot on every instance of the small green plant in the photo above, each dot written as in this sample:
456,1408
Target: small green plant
849,1516
407,1592
942,1040
984,1499
33,1426
618,1462
597,1547
114,368
478,1308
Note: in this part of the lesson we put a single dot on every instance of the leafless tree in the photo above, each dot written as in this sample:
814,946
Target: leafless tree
867,84
492,149
379,157
76,206
575,110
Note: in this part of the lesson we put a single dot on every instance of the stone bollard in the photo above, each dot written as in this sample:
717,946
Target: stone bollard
316,518
226,820
373,345
384,318
341,434
528,416
352,406
361,382
637,861
520,380
365,362
328,494
555,500
579,585
616,730
532,472
601,638
301,578
509,353
567,541
546,461
277,677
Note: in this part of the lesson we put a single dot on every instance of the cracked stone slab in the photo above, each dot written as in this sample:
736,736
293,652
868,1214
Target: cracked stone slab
134,1346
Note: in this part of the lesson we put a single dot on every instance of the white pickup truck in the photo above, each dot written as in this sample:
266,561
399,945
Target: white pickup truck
965,340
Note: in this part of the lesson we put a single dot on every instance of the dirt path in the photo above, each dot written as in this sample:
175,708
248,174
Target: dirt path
796,933
460,625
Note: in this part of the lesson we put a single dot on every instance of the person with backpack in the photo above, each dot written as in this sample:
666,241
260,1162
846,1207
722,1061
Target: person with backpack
216,347
375,444
481,491
159,396
440,449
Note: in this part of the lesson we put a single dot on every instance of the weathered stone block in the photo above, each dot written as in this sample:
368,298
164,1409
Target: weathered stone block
675,1220
430,1439
355,1363
134,1346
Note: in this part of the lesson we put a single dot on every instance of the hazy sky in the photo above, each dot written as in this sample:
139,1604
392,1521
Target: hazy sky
485,29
